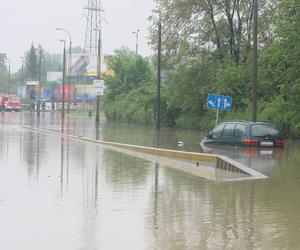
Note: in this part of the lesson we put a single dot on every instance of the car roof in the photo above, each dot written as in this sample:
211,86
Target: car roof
248,122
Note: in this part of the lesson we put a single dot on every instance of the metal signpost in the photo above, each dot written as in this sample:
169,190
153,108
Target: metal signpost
219,102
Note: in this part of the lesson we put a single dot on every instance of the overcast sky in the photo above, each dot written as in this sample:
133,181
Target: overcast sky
25,21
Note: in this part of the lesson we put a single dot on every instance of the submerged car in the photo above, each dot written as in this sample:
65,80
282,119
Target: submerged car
245,133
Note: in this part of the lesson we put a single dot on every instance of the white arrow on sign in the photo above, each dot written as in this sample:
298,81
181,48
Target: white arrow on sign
226,103
211,103
219,102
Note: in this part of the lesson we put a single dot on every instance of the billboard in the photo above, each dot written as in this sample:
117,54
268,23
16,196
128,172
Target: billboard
80,93
84,65
86,92
32,83
58,92
54,77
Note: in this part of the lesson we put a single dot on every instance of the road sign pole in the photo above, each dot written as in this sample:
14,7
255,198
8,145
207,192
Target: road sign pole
217,117
98,109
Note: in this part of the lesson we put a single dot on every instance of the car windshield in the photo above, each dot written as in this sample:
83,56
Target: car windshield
264,130
217,131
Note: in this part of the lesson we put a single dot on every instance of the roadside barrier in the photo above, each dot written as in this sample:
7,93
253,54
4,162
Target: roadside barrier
209,166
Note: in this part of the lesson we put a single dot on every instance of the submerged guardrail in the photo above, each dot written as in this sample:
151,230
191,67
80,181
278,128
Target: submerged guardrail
210,166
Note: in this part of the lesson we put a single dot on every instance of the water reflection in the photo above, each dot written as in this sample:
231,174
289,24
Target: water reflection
97,132
194,215
155,201
38,157
264,160
29,152
108,200
125,171
62,165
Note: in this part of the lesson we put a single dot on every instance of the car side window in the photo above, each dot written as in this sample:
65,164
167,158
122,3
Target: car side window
228,130
217,131
262,130
240,130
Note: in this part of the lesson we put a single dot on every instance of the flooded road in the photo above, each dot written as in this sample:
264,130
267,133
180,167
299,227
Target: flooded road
64,194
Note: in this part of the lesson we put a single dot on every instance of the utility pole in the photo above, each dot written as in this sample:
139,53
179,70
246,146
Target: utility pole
69,66
22,71
158,74
254,83
9,77
40,83
136,41
64,82
98,74
93,40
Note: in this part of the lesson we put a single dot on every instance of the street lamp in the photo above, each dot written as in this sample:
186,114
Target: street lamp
69,65
64,80
136,40
158,86
22,72
40,81
97,117
9,76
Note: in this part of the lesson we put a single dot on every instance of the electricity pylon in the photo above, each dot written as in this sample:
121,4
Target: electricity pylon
93,26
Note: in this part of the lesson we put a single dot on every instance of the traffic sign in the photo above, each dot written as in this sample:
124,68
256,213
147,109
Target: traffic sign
99,85
219,102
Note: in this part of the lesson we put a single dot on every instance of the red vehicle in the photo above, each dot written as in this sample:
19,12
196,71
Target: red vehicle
10,103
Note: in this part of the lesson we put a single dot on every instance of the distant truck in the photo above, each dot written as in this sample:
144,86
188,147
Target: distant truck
10,103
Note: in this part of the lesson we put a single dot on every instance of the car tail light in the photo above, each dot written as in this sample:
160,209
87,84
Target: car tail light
279,143
251,152
251,142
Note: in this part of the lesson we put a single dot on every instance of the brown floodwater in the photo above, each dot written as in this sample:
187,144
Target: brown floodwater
64,194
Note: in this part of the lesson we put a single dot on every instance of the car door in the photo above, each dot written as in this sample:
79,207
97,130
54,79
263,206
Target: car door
240,133
227,136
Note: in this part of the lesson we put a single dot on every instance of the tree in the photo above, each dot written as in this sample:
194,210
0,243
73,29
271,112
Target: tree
223,27
31,64
52,62
77,49
207,49
130,93
280,72
3,71
130,72
49,62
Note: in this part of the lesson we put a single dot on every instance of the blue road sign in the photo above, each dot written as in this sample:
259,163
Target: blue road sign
219,102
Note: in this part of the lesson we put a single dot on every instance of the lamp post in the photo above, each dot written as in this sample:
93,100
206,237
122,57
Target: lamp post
254,83
40,83
64,80
158,75
136,40
69,65
22,70
97,117
9,77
